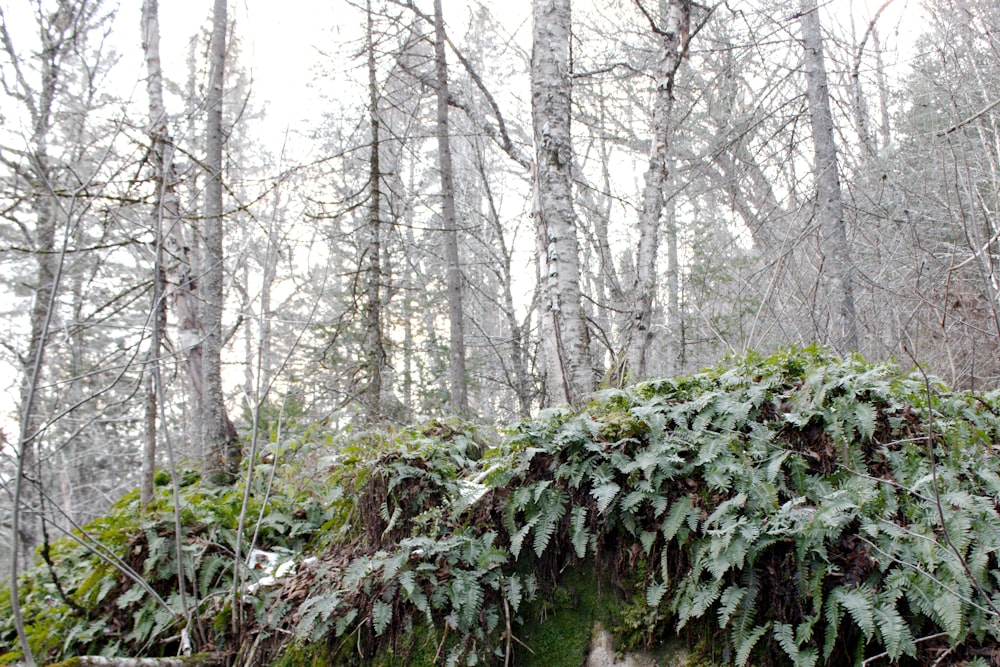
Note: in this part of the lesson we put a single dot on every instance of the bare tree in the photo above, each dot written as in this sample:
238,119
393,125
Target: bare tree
838,265
374,344
220,442
177,253
456,352
569,367
672,44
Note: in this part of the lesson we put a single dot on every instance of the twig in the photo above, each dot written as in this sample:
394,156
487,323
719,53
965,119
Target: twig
943,656
962,123
928,638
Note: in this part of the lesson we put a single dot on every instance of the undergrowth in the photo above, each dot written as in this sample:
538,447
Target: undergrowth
796,509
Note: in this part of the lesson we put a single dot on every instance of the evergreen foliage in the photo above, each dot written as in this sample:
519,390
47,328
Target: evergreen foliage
797,509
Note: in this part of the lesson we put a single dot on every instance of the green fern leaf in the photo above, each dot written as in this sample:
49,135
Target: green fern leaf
133,594
517,539
860,604
552,510
948,612
744,645
514,592
605,495
655,593
896,636
313,614
675,519
648,539
864,421
729,602
381,617
345,621
791,645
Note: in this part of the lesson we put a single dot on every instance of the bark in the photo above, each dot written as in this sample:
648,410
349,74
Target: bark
456,353
838,264
570,373
675,321
374,344
177,261
200,660
222,453
678,18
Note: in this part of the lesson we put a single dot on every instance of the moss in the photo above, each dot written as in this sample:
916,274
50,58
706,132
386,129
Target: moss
418,648
298,655
558,625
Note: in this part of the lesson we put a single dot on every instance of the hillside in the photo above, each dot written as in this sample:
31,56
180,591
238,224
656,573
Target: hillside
798,509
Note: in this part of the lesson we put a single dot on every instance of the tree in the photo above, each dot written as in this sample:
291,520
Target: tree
672,45
374,345
456,349
168,221
569,367
222,451
829,205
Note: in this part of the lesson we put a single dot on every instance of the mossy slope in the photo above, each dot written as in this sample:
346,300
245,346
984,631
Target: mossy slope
795,509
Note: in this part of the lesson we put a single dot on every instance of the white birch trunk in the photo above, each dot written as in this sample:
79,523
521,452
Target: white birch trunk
569,366
678,16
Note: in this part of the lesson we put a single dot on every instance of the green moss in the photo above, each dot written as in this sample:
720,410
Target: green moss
418,648
298,655
557,626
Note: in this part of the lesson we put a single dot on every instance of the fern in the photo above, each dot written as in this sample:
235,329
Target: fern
791,642
381,617
745,644
314,612
579,535
605,495
894,631
860,604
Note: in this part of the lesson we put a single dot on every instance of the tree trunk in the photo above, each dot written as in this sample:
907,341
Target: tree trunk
570,372
678,17
374,344
222,453
167,213
833,228
456,354
200,660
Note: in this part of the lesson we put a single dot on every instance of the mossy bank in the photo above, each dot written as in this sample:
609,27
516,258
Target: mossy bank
796,509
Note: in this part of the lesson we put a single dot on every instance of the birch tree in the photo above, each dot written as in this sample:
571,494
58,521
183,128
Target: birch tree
671,37
569,367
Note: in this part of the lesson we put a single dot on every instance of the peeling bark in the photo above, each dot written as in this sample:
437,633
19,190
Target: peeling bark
678,18
569,368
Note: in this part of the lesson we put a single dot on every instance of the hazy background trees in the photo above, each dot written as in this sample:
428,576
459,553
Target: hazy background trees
490,213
